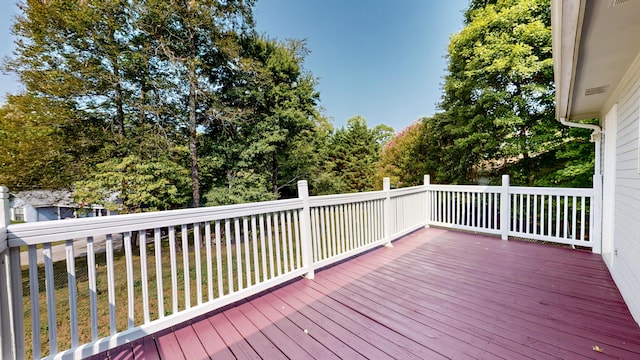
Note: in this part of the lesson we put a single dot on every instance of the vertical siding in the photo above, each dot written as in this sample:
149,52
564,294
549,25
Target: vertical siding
625,267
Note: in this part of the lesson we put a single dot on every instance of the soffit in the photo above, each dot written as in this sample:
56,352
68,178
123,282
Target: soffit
609,43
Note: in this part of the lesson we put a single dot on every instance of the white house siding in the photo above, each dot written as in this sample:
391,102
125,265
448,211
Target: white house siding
625,262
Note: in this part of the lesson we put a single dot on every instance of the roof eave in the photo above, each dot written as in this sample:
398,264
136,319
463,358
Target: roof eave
566,25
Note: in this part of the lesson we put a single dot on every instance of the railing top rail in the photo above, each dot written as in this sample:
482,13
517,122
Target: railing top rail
407,191
339,199
56,230
466,188
550,191
513,190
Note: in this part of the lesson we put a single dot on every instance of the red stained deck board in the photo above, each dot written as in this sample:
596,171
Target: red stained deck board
507,293
211,340
501,339
190,344
471,296
460,324
405,324
279,338
120,353
519,273
293,330
544,259
146,349
439,336
315,331
345,331
435,293
556,304
232,338
365,327
480,276
253,335
456,288
579,311
168,346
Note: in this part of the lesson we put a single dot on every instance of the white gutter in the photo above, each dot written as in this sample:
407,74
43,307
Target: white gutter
595,138
596,129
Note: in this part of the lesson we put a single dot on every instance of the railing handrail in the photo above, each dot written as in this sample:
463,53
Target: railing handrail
550,191
512,189
465,188
406,191
339,199
55,230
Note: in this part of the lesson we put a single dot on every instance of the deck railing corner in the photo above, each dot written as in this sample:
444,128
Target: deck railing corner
11,322
386,187
505,208
306,242
427,182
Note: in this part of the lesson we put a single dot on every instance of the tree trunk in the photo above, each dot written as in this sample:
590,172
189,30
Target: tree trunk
274,175
119,95
119,108
193,136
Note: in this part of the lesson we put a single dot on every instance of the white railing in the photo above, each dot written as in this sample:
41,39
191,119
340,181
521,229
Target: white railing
466,207
345,225
189,262
559,215
556,215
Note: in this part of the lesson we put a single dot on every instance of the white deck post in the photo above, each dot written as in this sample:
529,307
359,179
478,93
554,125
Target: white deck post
6,351
505,208
596,215
305,229
386,187
11,319
427,182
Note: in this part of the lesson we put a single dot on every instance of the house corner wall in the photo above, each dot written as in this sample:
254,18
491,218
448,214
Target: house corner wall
624,210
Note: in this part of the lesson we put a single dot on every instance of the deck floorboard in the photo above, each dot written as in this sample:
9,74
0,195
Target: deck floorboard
436,294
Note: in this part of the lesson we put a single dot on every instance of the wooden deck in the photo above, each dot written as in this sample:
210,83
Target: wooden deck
436,294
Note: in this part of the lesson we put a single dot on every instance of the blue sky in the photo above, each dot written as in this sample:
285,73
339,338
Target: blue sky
382,59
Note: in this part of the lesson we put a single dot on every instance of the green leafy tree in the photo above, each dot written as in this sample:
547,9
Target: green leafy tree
574,163
498,99
274,138
76,52
131,184
402,159
197,40
351,157
241,187
134,68
42,140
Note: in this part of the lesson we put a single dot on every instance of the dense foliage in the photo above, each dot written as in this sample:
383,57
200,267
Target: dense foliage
350,158
166,104
158,102
497,110
409,155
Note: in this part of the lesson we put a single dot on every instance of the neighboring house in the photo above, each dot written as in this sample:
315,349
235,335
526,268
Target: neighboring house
597,72
43,205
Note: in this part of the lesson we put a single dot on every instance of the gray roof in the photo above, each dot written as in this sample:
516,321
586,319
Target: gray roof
44,198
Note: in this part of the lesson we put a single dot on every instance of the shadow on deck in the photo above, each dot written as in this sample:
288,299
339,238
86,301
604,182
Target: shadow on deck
435,294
